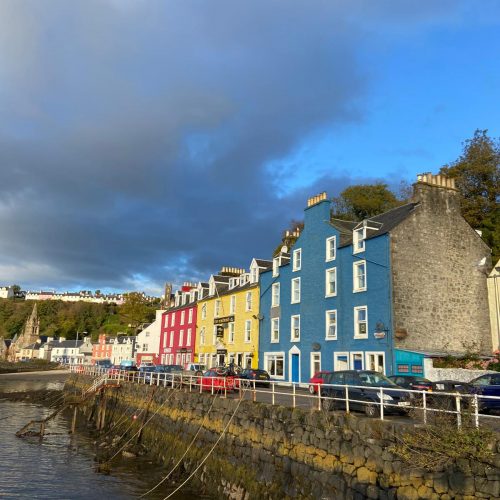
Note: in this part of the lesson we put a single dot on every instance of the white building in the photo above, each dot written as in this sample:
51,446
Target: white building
148,342
67,352
122,349
6,292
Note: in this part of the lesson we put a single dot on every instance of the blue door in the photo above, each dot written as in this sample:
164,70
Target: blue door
357,362
295,368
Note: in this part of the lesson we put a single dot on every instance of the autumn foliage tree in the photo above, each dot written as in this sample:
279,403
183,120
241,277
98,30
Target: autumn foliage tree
477,176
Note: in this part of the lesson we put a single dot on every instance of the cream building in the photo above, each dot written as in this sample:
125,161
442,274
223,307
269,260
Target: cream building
494,301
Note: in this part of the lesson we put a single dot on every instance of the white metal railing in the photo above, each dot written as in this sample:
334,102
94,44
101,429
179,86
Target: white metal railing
379,400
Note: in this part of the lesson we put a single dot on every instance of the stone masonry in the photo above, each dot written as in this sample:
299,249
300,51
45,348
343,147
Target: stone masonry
439,266
274,452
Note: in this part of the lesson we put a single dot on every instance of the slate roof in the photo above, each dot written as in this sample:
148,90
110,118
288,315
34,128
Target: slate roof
68,343
264,263
387,221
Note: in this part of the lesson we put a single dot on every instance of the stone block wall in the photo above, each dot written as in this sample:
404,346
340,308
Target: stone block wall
439,293
459,374
273,452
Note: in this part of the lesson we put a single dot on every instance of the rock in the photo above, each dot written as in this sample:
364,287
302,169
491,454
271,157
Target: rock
424,492
407,493
460,483
128,454
365,475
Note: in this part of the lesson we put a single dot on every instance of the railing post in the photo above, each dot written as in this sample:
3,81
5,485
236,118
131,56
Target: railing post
459,413
347,399
172,375
319,397
293,386
381,397
201,383
476,410
254,393
190,382
424,405
273,384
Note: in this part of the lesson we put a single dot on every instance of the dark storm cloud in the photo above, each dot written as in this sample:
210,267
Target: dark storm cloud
135,136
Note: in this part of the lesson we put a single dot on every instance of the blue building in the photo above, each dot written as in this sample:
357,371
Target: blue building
326,305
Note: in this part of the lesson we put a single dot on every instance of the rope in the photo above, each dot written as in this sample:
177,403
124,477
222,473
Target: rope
141,427
208,454
185,453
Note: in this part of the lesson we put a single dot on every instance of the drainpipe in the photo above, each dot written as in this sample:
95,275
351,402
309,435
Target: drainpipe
390,333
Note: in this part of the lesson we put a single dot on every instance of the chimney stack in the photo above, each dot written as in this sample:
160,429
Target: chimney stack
316,199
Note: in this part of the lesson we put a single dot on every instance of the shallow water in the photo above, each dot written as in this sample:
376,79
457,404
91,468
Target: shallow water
61,466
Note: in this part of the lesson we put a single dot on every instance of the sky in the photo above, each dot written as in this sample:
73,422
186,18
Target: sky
146,141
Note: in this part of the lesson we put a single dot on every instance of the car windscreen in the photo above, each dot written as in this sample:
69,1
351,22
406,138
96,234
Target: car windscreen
376,379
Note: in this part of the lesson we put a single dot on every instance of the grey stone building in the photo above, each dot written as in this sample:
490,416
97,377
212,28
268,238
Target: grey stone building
439,274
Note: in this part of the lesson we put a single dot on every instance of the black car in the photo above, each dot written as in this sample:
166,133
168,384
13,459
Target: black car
261,377
412,382
363,393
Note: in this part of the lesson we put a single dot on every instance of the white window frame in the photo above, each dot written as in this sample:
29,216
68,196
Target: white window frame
375,353
202,335
355,282
254,274
357,335
189,337
329,246
276,267
337,355
217,308
270,356
183,316
248,331
275,340
172,320
351,359
275,303
327,281
297,259
248,301
181,338
172,339
232,304
230,338
292,333
314,354
190,315
214,335
204,311
295,287
358,240
328,324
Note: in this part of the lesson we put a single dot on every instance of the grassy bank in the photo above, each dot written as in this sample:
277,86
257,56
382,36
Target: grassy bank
34,365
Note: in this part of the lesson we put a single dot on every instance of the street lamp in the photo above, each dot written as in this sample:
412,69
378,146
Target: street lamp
76,341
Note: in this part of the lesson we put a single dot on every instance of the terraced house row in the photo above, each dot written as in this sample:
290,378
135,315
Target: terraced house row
384,294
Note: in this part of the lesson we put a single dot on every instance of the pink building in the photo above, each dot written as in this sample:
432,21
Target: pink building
178,328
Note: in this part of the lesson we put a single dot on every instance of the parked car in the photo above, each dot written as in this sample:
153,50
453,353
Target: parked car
214,378
448,401
486,385
316,380
145,372
131,372
364,397
194,369
104,363
412,382
261,377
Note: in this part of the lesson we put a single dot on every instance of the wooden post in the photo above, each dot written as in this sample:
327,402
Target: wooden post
73,422
103,413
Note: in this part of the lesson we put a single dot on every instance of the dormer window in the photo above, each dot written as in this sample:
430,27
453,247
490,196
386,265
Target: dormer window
297,259
211,289
276,267
358,240
254,276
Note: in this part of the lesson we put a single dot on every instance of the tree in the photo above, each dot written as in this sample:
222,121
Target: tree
136,309
364,201
477,176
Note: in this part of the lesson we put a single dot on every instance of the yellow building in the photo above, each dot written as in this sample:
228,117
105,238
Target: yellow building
227,328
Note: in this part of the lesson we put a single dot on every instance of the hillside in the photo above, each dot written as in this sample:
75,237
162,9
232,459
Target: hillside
64,319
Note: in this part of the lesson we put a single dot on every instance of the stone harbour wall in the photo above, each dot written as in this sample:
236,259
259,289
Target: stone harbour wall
275,452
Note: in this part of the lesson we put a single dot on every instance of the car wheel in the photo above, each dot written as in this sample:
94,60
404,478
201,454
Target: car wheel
371,410
312,390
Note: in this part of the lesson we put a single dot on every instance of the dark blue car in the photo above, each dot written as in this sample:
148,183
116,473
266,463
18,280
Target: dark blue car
364,396
487,385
